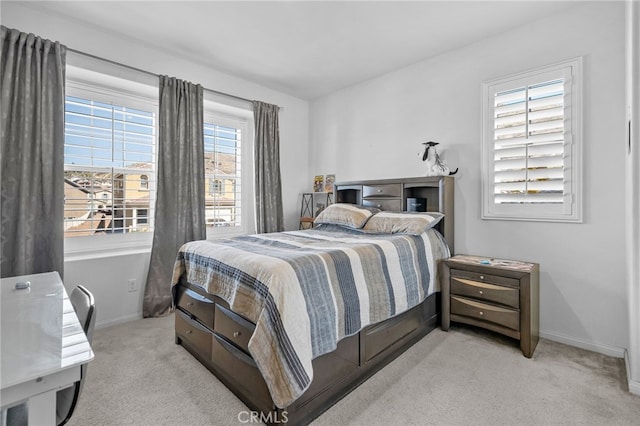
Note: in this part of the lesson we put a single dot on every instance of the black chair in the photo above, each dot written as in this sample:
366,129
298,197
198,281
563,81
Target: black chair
66,399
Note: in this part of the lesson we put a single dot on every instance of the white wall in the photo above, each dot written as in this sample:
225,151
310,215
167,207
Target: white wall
107,276
375,130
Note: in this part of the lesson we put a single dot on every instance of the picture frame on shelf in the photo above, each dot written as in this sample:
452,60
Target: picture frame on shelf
328,183
318,183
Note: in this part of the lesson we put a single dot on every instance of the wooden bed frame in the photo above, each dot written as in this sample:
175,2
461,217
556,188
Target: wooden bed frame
218,337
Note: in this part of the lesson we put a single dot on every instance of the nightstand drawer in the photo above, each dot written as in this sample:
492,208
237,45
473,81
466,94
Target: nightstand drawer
481,311
394,205
381,191
485,278
486,292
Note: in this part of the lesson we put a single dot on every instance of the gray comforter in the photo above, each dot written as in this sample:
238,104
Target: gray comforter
306,290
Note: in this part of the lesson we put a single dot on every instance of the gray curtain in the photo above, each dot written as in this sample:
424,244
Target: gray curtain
268,186
32,152
179,213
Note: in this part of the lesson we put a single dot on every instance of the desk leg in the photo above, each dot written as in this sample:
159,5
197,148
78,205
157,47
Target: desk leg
42,409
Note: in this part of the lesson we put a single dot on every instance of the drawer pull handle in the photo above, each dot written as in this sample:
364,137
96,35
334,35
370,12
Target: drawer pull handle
481,292
189,331
189,303
481,313
379,190
379,206
236,334
482,277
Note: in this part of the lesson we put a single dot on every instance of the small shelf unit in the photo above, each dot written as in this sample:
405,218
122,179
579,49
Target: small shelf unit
311,205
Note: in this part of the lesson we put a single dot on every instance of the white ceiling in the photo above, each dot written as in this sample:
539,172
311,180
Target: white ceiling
305,48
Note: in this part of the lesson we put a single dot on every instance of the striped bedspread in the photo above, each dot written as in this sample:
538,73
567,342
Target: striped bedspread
306,290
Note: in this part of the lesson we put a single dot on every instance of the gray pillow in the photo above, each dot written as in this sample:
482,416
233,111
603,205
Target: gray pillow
414,223
350,215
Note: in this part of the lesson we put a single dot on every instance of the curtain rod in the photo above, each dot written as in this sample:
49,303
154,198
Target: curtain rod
154,74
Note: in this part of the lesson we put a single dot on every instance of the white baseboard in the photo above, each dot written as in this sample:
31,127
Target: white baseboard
634,386
119,320
584,344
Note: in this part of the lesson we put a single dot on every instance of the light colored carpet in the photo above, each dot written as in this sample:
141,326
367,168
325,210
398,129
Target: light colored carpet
462,377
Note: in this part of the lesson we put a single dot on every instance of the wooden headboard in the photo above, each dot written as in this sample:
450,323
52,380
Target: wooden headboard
392,194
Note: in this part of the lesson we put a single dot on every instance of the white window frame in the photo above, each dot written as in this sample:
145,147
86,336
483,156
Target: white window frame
239,118
89,84
570,210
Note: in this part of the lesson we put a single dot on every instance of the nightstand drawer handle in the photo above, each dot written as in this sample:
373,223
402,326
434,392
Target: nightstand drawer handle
236,334
482,277
189,303
189,331
481,313
379,190
481,292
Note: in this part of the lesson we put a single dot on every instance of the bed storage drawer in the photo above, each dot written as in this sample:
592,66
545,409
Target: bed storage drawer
385,190
193,334
196,305
380,336
484,312
233,327
243,372
486,292
394,205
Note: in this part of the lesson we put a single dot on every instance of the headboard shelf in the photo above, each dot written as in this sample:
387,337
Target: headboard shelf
392,194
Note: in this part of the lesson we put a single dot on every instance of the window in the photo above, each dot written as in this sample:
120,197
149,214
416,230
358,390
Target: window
531,145
215,187
142,216
109,157
223,149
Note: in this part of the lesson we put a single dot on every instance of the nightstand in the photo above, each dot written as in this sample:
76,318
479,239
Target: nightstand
495,294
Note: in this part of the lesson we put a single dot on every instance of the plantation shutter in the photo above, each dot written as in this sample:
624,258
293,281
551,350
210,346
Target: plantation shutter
529,143
531,166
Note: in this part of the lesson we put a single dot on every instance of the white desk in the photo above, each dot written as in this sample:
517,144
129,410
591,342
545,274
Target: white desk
42,345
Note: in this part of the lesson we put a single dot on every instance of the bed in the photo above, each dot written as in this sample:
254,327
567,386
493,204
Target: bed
291,322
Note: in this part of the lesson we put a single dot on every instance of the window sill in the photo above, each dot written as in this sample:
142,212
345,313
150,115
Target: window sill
95,247
98,254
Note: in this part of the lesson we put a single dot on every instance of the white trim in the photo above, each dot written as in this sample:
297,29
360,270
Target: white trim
632,198
218,114
114,84
634,386
600,348
102,252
